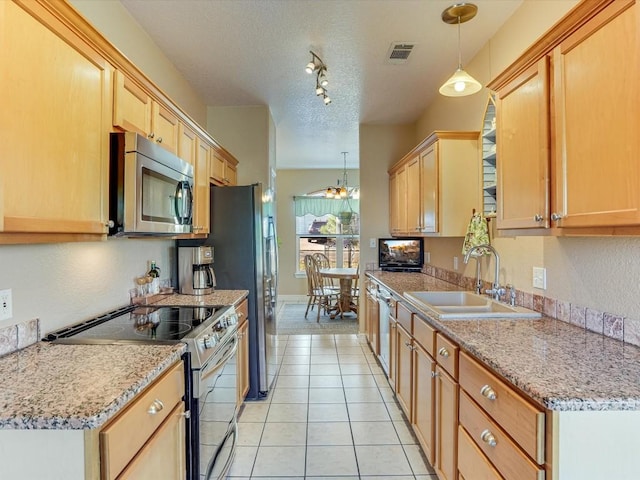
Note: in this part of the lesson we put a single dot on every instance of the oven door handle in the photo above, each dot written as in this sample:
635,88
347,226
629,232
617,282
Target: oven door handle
207,372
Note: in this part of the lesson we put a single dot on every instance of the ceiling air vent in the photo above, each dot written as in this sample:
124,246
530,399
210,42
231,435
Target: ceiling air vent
399,52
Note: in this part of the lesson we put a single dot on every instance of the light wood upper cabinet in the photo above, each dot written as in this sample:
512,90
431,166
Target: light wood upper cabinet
131,105
597,121
135,110
223,168
435,187
55,93
523,149
187,144
242,362
567,126
201,218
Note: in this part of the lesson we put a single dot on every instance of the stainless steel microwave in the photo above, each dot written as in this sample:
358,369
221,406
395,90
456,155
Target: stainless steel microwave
150,189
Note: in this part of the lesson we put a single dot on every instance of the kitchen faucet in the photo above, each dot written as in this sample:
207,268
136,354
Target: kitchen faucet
496,291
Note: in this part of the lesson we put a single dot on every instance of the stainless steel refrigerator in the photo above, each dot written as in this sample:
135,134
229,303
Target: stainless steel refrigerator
246,258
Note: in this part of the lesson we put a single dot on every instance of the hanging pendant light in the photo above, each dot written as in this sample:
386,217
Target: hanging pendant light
460,83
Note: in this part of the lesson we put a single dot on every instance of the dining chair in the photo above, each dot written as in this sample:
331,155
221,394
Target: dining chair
324,298
323,262
355,290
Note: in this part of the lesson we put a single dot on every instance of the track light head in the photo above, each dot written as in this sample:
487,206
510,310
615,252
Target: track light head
310,68
326,99
322,77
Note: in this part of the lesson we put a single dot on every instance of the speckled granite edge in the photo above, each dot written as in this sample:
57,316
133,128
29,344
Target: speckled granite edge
50,386
218,297
558,365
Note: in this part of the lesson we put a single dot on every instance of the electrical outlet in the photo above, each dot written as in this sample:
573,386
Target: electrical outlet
427,257
5,304
372,243
540,277
455,263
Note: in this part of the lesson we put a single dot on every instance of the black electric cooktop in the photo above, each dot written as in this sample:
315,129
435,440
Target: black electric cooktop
147,323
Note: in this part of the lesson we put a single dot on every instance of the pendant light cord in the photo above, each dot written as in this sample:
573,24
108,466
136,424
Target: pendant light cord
459,51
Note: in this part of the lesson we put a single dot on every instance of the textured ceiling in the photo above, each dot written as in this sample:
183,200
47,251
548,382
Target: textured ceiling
253,52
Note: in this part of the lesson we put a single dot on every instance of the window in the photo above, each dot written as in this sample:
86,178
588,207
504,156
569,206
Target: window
328,226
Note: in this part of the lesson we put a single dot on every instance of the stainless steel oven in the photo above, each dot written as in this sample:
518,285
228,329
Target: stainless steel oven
215,394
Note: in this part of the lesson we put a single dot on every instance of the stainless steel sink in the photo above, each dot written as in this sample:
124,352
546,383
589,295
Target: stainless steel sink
464,305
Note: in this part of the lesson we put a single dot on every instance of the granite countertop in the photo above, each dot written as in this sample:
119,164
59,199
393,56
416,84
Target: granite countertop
218,297
558,365
74,387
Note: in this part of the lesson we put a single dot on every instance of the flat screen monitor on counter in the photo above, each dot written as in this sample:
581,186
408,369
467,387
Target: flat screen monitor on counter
400,254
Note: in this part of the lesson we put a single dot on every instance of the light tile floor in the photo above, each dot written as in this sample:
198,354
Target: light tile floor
331,413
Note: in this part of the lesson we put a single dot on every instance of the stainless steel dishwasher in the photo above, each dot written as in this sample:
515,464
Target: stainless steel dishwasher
385,301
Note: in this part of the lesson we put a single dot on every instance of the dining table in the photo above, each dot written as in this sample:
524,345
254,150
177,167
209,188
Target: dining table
346,277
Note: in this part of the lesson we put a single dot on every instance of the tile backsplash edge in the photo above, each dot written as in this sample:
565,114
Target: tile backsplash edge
615,326
18,336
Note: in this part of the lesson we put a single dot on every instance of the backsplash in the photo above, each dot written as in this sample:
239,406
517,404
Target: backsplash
621,328
17,337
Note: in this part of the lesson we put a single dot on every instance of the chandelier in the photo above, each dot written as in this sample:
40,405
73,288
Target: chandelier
342,191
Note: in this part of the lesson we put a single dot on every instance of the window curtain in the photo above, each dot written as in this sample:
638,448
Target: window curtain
320,206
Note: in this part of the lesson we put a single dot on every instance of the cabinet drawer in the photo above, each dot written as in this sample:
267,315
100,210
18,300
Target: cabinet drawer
523,421
471,461
446,355
424,334
496,444
404,317
243,311
123,437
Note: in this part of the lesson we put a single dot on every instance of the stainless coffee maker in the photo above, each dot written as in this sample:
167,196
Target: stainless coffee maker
195,270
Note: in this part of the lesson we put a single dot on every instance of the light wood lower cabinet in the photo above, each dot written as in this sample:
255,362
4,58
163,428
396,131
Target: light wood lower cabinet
404,369
163,456
146,430
471,462
372,316
423,419
242,356
446,423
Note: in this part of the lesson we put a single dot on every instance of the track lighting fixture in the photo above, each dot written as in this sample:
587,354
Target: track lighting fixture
460,83
318,66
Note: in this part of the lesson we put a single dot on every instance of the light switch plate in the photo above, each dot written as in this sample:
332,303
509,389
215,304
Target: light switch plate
372,243
455,263
5,304
427,257
540,277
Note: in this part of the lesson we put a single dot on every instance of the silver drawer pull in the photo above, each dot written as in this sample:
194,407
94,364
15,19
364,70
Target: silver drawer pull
155,407
488,392
444,352
487,437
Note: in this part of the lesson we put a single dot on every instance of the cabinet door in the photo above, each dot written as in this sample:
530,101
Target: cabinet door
523,150
404,375
243,362
446,412
202,193
187,144
55,93
131,105
423,420
414,215
164,127
218,168
232,173
401,193
597,105
373,323
164,454
394,225
429,175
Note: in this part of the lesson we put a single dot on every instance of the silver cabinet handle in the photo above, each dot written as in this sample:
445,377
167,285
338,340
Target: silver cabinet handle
186,414
487,437
434,374
155,407
488,392
151,135
159,140
556,216
444,352
538,218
